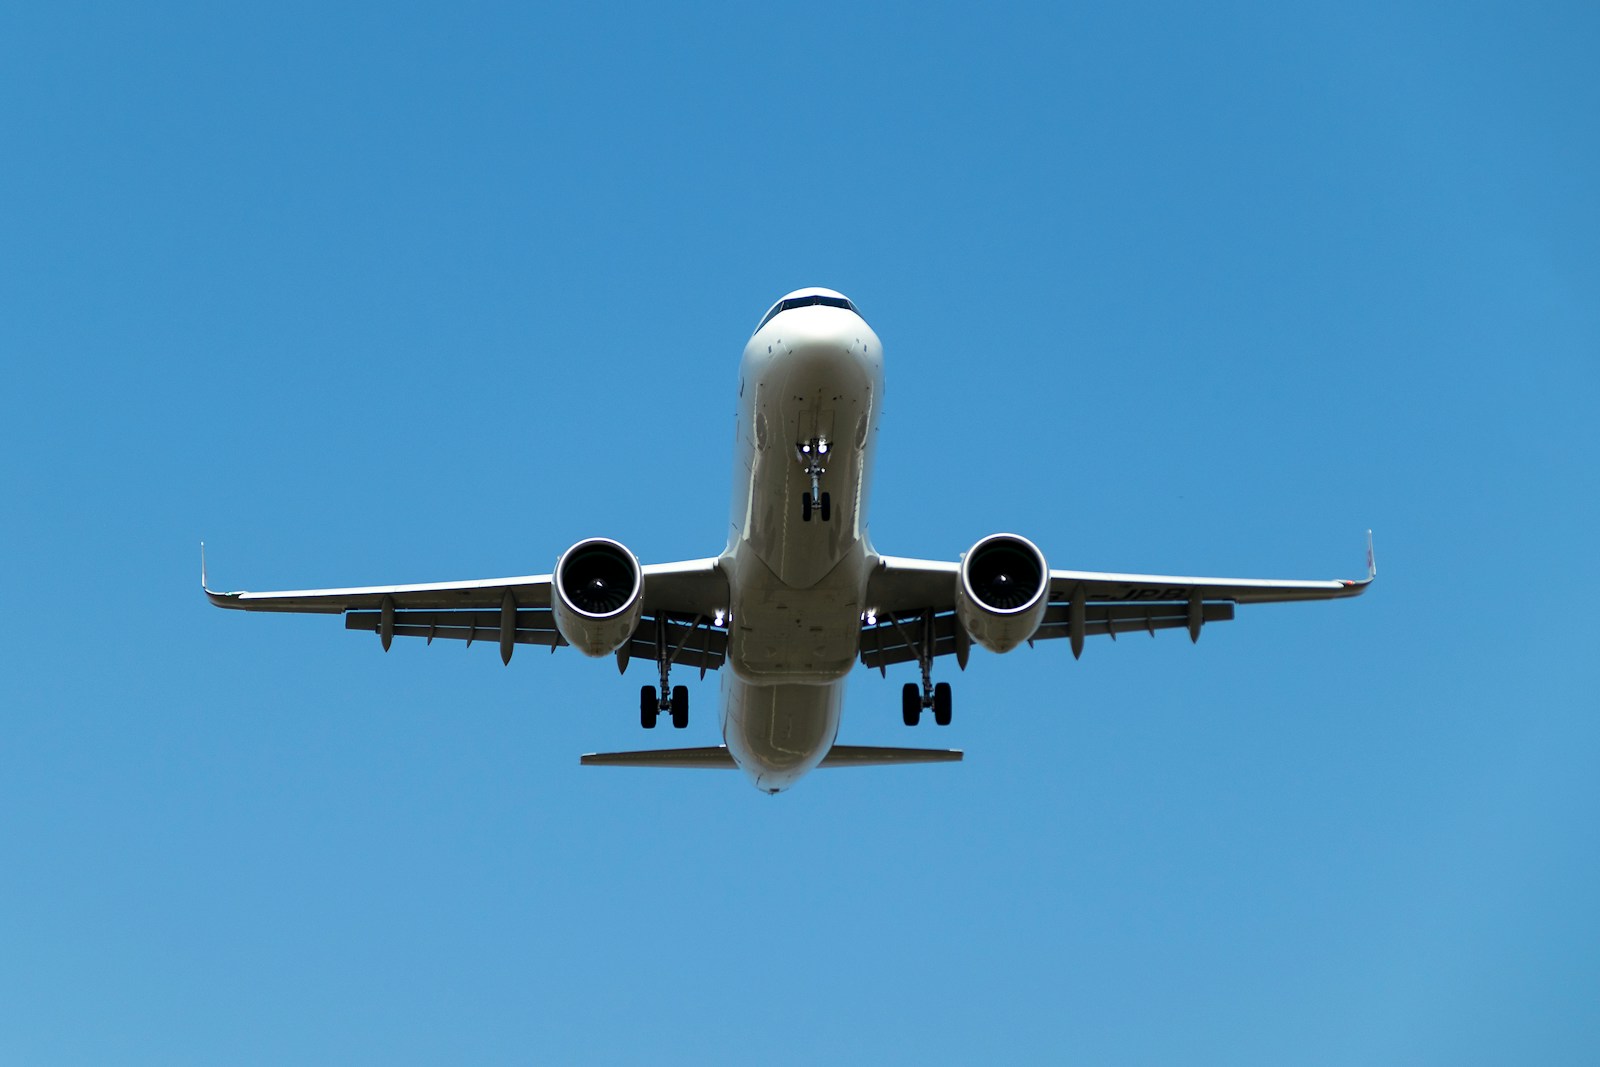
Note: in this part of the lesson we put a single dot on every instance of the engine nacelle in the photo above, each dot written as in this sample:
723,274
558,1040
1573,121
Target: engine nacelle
1002,590
598,595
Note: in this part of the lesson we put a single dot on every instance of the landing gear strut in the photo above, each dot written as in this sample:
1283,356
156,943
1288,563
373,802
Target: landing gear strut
814,462
652,700
914,700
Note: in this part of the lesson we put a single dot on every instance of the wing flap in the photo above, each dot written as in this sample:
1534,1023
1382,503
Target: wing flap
1116,619
885,644
696,643
895,638
534,627
696,646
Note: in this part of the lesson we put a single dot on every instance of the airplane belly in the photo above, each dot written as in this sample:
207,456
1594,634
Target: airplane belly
778,733
796,583
801,399
778,633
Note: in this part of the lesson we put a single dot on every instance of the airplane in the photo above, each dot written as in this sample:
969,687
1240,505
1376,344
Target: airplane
799,596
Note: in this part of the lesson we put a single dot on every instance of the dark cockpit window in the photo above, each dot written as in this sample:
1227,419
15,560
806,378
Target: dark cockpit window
804,302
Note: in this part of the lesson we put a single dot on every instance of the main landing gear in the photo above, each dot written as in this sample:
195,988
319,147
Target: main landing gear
653,700
914,700
652,704
813,460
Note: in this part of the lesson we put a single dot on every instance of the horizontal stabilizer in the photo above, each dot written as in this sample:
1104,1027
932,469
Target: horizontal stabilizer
717,757
869,756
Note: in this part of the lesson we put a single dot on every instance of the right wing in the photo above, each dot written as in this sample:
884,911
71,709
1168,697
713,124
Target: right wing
914,602
681,602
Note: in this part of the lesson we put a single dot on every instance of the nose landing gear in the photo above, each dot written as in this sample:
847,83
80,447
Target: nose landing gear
813,461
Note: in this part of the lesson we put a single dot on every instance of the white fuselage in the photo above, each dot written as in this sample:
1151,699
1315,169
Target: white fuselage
797,587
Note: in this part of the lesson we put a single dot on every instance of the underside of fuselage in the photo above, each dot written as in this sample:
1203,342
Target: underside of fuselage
779,733
797,561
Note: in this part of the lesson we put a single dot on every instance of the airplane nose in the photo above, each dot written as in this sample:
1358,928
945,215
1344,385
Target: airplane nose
817,337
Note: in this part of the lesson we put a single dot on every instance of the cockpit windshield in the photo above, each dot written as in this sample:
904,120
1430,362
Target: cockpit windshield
810,300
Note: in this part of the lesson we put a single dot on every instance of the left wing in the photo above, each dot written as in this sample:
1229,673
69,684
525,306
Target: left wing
912,604
680,604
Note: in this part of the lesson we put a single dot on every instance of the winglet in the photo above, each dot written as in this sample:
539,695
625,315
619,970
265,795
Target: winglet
1353,587
221,600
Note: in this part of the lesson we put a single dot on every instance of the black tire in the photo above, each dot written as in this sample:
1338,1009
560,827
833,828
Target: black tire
910,704
941,703
647,707
805,507
827,507
680,706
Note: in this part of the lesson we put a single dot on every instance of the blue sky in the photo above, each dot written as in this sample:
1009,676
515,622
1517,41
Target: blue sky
390,293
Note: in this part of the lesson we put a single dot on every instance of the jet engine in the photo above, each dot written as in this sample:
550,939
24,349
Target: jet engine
1002,590
598,595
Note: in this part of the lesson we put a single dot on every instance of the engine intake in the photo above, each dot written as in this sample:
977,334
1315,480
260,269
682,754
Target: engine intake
1002,591
599,595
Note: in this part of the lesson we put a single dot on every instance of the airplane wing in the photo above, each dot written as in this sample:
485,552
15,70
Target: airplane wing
912,605
681,602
